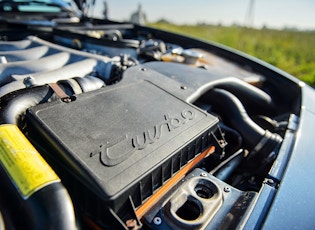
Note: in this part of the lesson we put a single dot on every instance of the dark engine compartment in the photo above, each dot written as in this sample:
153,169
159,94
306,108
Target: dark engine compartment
145,129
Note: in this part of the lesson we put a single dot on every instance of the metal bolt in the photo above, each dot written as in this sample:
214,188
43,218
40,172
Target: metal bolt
157,220
143,69
226,189
203,174
29,81
270,181
183,87
66,99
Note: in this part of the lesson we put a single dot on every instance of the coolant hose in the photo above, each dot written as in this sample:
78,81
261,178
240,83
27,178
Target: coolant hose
234,114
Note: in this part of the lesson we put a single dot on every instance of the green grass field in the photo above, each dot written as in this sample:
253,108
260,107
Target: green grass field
291,51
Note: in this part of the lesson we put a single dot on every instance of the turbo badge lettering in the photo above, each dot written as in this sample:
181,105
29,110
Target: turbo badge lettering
170,123
109,155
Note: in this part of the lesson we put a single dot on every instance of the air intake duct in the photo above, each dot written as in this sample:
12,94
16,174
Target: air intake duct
261,142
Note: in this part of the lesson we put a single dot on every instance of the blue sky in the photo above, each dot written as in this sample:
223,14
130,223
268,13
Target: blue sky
272,13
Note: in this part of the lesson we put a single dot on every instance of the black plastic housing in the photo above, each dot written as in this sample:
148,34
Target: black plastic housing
124,140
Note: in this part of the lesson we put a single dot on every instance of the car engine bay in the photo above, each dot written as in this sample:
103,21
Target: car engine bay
143,128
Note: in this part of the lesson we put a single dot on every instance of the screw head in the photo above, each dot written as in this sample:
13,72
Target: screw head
226,189
131,224
271,181
203,174
157,220
29,81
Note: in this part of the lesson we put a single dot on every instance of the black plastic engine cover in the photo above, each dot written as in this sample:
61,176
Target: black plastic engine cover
121,138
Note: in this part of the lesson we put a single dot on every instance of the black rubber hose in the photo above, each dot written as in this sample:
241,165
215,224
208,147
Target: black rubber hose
50,207
254,99
14,105
53,204
226,168
234,114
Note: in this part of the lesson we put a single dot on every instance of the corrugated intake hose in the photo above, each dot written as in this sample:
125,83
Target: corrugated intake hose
259,141
32,195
